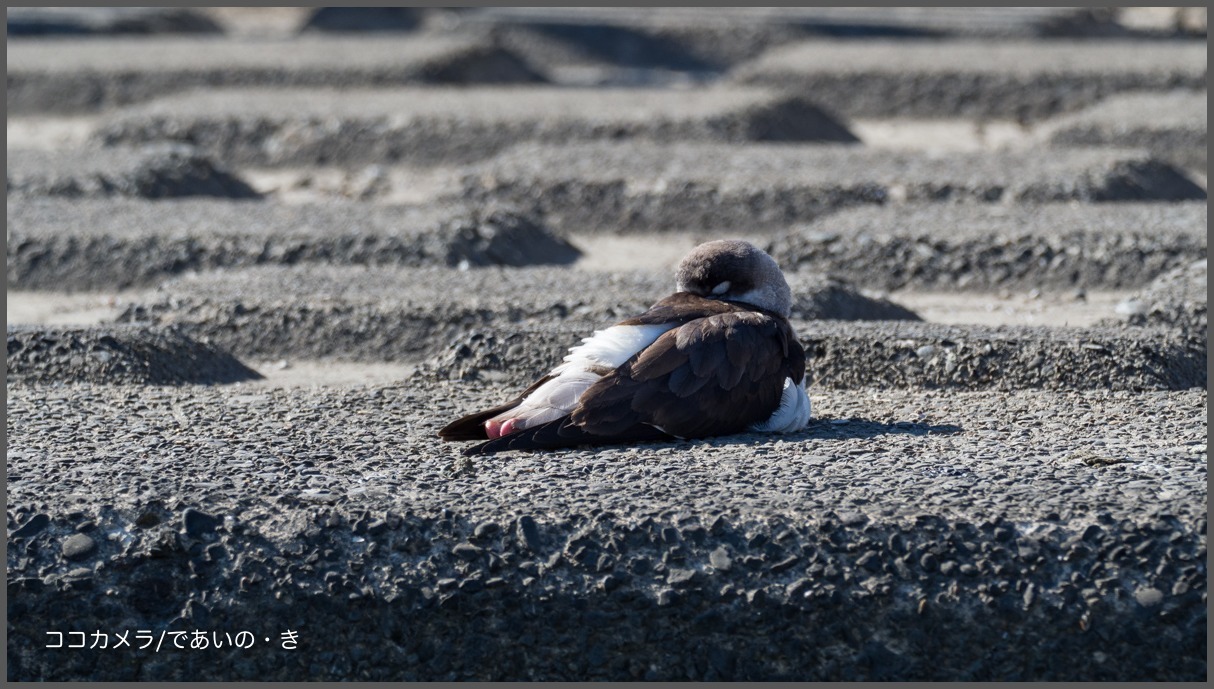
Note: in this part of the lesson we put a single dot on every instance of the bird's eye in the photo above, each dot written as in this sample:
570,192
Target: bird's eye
721,288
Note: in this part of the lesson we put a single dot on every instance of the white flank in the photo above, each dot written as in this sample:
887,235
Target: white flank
791,415
611,347
605,349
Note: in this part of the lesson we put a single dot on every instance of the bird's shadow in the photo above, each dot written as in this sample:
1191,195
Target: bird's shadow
818,429
844,429
840,429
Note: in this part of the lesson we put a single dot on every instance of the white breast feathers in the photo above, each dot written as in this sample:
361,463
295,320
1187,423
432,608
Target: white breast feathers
791,415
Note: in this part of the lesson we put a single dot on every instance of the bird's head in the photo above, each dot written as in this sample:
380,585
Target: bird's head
737,271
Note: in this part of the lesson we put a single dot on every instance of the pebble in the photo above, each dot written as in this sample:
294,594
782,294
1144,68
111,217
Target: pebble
720,560
78,546
1148,597
681,577
467,551
529,534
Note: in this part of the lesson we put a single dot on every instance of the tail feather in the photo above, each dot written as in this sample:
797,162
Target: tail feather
472,426
561,433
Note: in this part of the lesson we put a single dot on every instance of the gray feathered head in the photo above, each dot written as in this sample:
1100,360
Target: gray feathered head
734,270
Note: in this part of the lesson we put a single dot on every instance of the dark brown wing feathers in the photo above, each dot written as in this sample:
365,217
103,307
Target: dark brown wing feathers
682,307
710,376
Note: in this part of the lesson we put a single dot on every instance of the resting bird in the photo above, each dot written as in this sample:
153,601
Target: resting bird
717,357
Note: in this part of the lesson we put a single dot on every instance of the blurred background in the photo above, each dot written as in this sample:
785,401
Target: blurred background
982,166
626,135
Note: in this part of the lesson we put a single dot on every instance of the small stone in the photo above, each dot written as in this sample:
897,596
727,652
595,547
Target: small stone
929,562
798,587
78,546
604,563
680,577
486,530
852,518
756,597
870,561
1148,597
667,597
463,466
720,560
786,563
466,551
529,534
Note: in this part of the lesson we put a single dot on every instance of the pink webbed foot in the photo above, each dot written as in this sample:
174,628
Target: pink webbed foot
496,429
493,429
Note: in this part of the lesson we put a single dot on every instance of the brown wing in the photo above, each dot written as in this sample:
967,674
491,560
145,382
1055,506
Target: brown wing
711,376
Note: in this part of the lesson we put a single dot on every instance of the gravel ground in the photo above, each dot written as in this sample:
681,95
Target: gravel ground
1175,299
46,76
79,245
116,355
912,355
393,314
445,317
645,187
451,125
73,21
1023,80
886,354
991,247
343,19
1171,125
911,535
627,44
154,171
